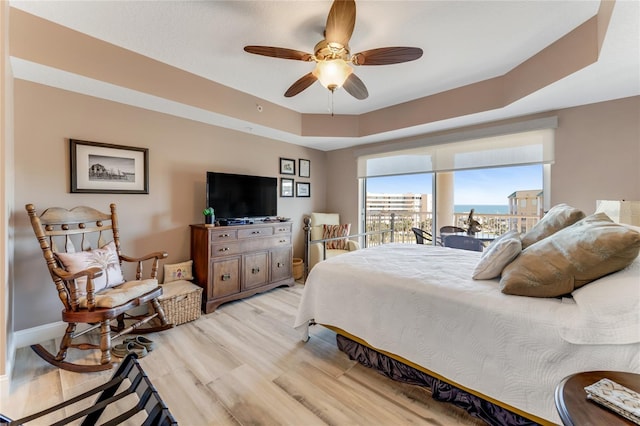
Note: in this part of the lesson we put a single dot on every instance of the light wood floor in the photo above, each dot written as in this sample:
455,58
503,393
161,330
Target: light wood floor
244,364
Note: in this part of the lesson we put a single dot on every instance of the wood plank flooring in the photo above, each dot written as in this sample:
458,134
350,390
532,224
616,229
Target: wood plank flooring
244,364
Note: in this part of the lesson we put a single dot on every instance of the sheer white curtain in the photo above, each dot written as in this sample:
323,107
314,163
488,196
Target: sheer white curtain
530,147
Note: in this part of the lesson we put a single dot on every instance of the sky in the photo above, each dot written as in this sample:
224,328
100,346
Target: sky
482,186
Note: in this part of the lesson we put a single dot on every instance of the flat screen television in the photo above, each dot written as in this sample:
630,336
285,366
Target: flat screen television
242,196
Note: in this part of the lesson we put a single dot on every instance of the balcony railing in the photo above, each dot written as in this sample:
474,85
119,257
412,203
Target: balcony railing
492,225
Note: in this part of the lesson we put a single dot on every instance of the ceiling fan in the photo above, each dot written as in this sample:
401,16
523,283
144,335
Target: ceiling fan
333,57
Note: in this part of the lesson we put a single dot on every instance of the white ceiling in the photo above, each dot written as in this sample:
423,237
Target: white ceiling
463,42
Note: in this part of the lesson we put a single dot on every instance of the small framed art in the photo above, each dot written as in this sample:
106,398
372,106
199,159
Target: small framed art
286,187
304,168
287,166
303,189
108,169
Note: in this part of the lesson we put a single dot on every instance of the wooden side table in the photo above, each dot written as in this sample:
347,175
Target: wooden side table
574,407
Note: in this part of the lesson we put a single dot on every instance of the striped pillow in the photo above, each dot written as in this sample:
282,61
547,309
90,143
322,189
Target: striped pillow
333,231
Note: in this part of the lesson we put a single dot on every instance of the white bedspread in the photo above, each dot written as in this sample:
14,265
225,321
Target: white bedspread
419,302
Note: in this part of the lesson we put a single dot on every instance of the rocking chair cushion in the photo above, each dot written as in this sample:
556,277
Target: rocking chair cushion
105,257
114,296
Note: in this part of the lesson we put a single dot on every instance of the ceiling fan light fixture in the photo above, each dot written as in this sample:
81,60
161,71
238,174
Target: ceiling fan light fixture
332,73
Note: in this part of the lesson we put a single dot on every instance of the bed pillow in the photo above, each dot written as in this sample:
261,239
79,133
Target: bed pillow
610,310
571,258
105,257
178,271
497,255
558,217
333,231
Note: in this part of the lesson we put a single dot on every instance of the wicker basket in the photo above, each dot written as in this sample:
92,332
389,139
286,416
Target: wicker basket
298,268
181,301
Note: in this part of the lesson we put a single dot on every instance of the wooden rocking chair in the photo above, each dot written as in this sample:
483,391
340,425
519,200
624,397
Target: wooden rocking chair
86,271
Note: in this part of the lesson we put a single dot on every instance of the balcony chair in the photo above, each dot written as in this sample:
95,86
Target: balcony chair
463,242
422,236
322,226
452,230
87,274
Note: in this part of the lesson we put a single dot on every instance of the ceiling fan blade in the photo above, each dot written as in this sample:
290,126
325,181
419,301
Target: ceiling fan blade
301,84
386,56
279,52
341,21
355,87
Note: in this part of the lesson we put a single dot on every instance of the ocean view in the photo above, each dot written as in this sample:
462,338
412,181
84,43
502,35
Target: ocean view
481,208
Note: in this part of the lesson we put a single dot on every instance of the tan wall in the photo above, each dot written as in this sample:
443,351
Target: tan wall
180,152
597,153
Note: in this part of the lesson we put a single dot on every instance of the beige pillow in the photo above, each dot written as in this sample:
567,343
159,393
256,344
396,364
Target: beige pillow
571,258
558,217
333,231
178,271
497,255
105,258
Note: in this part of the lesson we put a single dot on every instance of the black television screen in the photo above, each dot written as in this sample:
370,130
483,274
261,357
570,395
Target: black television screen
239,196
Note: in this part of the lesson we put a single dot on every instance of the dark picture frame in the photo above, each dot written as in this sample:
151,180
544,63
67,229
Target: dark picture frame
304,168
303,189
102,168
287,166
286,187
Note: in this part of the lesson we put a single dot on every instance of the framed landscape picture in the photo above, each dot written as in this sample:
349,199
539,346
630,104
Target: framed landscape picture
109,169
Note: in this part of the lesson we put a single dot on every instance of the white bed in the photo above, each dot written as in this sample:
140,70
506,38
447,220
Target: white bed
420,303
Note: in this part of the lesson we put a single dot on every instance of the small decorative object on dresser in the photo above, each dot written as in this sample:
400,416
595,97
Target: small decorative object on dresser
238,261
209,216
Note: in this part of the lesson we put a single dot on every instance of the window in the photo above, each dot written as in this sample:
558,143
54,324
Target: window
507,173
488,191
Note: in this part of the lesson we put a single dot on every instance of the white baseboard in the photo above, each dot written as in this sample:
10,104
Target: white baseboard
39,334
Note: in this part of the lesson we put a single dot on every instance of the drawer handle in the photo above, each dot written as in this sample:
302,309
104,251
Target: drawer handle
223,235
226,277
256,232
224,249
283,241
280,265
255,270
282,229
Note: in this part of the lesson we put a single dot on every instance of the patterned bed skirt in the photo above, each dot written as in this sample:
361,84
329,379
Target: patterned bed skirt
440,390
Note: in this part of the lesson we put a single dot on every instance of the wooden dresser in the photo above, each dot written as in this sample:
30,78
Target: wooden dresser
233,262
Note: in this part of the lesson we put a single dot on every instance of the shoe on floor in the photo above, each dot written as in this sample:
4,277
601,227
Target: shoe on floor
124,349
143,341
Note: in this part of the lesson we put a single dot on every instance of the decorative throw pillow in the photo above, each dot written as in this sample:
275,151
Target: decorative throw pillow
178,271
571,258
558,217
497,255
105,258
334,231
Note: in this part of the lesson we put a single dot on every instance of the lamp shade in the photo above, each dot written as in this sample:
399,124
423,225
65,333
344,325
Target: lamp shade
332,73
620,211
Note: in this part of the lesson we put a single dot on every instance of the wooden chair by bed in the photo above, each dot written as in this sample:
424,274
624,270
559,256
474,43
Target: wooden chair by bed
81,259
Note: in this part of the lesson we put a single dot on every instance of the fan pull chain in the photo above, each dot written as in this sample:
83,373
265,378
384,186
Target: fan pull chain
330,102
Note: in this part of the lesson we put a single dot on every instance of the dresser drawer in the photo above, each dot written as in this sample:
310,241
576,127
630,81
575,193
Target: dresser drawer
223,235
225,249
265,231
283,228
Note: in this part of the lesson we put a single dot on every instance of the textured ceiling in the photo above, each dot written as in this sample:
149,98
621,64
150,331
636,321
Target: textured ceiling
463,42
